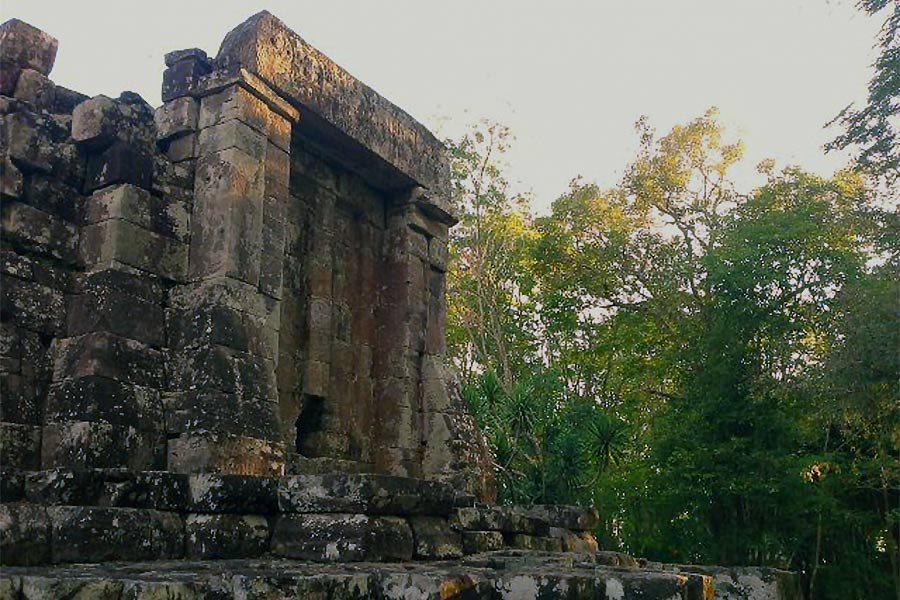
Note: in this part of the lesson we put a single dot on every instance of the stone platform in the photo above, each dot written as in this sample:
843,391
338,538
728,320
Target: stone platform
495,575
66,516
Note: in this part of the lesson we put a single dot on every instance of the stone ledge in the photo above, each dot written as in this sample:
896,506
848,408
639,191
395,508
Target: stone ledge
525,576
336,106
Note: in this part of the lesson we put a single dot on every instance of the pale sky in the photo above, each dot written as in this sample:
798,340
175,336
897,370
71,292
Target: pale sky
569,78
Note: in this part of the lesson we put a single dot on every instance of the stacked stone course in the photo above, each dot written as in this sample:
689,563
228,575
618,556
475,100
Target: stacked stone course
222,349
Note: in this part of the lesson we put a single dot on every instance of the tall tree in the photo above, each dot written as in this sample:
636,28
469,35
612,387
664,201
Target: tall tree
875,128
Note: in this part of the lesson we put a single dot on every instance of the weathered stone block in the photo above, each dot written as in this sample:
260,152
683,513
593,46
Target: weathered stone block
92,534
524,541
39,231
434,539
146,489
132,282
122,241
476,542
121,162
575,541
53,197
116,312
176,118
12,484
228,216
35,88
60,586
207,324
24,534
222,412
506,519
109,356
64,486
183,148
23,46
222,453
228,292
37,142
97,444
228,493
225,536
345,538
567,517
234,103
219,368
27,46
96,122
65,100
94,398
232,134
364,492
20,445
182,76
11,180
19,401
165,216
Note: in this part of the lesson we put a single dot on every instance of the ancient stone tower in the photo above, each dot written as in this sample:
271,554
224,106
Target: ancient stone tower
222,337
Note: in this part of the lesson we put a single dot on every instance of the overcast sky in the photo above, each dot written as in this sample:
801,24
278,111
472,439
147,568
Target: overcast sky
569,78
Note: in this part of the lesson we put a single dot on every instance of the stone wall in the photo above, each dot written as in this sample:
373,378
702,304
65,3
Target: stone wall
239,281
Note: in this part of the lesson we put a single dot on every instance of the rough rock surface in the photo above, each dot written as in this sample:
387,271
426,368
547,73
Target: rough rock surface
222,355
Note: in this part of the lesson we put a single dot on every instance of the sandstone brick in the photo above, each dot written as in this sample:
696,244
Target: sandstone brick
225,536
35,88
127,202
53,197
234,103
476,542
122,241
116,312
182,76
84,444
19,400
434,539
176,118
33,306
27,46
232,134
20,445
185,147
227,217
95,122
94,398
110,356
38,231
24,534
68,587
232,493
223,453
218,368
346,538
190,412
94,534
11,180
121,162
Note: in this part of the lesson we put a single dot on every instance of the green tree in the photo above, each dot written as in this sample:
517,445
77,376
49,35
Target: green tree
874,128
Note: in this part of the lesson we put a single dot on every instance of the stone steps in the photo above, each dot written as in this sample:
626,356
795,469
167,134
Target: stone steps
64,515
489,577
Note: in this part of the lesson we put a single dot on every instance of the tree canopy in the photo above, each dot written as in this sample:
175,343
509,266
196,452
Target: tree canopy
715,369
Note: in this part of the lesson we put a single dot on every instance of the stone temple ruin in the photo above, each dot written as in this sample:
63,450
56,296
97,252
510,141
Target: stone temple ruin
222,363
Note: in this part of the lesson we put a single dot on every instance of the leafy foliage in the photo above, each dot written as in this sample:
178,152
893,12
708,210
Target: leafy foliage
874,128
717,372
